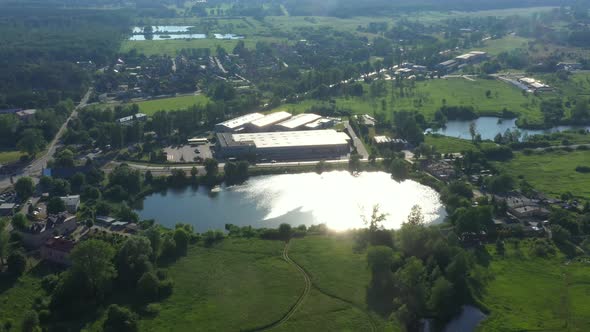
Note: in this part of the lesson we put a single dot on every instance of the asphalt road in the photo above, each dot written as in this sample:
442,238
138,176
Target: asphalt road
358,144
35,167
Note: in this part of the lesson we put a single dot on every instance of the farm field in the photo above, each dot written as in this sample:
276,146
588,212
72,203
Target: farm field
553,173
530,293
504,44
150,107
428,96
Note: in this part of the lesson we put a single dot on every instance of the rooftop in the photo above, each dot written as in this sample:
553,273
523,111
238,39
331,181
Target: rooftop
299,120
292,138
240,121
271,119
60,244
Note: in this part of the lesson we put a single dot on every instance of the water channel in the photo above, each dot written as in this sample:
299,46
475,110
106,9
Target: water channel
337,199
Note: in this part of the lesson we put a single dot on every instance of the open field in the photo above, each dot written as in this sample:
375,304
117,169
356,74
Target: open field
9,156
427,97
340,278
552,172
238,284
444,144
536,294
504,44
578,84
168,104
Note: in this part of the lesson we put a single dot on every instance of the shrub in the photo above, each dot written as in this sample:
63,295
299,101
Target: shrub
152,309
120,319
583,169
148,286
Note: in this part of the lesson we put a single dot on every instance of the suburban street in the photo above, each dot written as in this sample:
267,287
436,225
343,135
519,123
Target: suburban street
35,167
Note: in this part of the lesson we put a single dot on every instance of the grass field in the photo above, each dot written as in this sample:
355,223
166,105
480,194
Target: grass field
9,156
168,104
239,284
505,44
536,294
340,278
552,172
428,96
444,144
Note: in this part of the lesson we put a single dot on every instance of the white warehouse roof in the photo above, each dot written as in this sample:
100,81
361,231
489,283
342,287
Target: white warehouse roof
294,138
241,121
298,121
271,119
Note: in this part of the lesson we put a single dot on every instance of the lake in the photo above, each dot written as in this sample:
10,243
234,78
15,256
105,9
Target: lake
488,127
337,199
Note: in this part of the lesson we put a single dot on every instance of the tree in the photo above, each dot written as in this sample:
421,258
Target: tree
320,167
19,221
399,170
133,259
120,319
55,205
552,110
30,322
31,142
24,188
147,287
442,299
415,217
285,231
92,259
4,242
211,167
155,239
181,238
472,130
17,263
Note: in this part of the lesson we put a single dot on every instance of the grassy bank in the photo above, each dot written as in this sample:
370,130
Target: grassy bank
444,144
536,294
553,173
9,156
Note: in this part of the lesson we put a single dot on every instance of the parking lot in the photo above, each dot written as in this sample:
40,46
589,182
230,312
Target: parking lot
187,153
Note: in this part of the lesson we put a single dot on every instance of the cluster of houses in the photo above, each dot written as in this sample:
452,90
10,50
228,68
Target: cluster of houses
21,114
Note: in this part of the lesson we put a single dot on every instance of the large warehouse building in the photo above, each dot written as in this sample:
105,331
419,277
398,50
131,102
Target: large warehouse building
284,145
297,121
265,123
237,124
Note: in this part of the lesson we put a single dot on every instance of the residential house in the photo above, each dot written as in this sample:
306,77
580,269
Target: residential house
40,232
72,203
57,250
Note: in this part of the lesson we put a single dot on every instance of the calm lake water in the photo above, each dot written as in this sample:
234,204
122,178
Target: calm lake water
337,199
488,127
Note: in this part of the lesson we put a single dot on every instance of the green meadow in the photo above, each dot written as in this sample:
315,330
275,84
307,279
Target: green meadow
529,293
429,96
553,172
150,107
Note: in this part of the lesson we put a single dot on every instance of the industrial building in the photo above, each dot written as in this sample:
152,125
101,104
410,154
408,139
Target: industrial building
265,123
237,124
472,57
297,121
285,145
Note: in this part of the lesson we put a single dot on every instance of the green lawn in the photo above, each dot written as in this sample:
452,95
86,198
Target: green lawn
168,104
9,156
239,284
337,273
536,294
444,144
552,172
427,97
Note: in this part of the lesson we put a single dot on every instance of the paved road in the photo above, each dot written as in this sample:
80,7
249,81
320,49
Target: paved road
360,148
35,167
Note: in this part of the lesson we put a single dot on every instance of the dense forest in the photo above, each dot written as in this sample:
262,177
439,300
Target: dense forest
41,48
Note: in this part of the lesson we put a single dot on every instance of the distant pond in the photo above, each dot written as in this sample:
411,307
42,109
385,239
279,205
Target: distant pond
168,37
167,32
488,127
337,199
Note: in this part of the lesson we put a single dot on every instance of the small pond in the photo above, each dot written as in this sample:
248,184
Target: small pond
337,199
164,29
488,127
227,36
168,37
